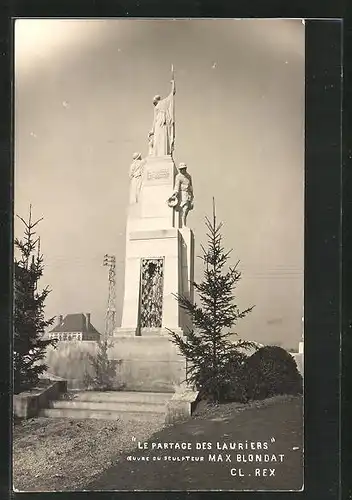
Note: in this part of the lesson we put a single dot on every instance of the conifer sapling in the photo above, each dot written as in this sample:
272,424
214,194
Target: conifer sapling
213,359
29,320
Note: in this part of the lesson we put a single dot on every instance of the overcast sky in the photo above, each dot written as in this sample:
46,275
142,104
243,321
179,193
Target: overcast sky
83,106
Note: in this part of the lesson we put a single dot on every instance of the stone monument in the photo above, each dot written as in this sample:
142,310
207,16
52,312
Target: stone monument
159,261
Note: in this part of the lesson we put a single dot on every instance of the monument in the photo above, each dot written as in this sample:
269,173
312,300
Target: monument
159,261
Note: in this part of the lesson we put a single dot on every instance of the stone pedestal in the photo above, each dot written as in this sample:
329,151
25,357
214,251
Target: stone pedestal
148,363
176,249
152,211
159,265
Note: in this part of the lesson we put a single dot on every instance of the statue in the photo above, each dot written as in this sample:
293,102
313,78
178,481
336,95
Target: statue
183,193
136,172
162,135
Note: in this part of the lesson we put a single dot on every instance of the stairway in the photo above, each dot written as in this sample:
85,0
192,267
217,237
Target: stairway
109,405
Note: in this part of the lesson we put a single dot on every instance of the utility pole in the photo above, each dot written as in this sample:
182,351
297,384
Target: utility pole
110,319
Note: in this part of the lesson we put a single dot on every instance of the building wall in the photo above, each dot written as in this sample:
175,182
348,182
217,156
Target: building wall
66,336
91,336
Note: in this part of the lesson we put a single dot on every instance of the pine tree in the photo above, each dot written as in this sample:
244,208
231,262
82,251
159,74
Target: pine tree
29,320
214,361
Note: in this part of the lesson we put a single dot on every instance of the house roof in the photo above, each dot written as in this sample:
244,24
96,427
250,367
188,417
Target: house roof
75,323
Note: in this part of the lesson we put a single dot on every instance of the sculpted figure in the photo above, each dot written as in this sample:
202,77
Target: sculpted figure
150,143
183,193
136,172
162,135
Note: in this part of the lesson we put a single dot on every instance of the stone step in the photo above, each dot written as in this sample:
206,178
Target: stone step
74,413
120,397
119,406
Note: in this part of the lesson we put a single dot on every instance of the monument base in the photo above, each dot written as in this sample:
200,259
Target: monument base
148,363
175,248
145,332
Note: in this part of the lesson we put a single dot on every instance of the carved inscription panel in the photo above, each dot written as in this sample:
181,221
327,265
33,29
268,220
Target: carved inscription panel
156,176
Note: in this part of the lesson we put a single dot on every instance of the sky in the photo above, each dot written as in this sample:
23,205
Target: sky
83,93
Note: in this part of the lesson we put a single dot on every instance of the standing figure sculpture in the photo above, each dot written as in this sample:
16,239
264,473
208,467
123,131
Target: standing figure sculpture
136,173
150,143
162,135
183,193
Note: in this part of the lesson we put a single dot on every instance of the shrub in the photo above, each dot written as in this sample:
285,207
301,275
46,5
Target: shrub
271,371
233,387
103,377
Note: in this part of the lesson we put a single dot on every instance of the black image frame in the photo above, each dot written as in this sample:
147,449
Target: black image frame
346,354
322,248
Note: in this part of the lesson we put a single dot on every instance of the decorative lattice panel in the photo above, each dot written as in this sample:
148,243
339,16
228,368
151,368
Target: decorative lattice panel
151,300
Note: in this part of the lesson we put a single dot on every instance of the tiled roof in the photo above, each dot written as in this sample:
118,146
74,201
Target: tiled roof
75,323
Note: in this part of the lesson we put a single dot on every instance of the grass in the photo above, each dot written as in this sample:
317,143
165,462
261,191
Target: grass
62,454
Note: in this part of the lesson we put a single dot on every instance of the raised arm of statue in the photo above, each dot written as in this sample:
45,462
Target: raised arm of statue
173,86
168,102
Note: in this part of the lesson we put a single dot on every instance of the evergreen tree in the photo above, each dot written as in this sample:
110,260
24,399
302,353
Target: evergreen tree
29,321
213,359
